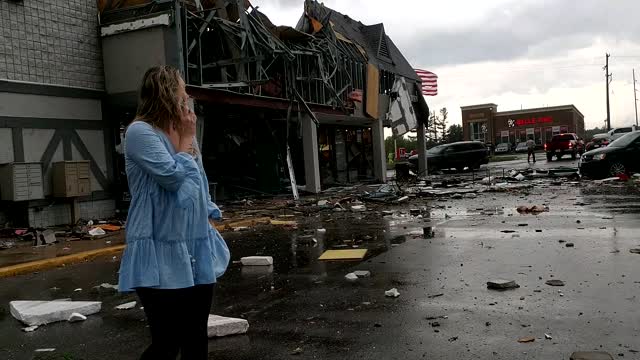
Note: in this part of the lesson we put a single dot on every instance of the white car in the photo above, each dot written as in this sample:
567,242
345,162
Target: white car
616,133
522,147
503,148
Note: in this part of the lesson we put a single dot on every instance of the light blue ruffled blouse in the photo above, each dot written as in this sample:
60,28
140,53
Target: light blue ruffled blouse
170,243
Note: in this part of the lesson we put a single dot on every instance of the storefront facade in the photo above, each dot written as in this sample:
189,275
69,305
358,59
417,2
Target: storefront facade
484,123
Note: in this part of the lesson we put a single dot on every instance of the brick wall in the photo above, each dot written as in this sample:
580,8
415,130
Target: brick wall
51,42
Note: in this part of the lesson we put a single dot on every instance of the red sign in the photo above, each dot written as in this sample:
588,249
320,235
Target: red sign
534,121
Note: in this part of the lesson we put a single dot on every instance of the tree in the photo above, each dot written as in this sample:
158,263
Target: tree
588,134
455,133
444,114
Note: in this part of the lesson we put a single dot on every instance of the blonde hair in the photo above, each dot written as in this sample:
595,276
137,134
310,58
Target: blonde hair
158,104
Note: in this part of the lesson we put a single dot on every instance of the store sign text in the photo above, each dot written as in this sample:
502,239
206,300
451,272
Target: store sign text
530,121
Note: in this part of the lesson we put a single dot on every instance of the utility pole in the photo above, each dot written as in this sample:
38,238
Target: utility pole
635,95
607,78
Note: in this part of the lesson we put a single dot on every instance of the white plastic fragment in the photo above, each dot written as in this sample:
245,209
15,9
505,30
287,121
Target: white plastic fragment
77,290
96,231
351,277
257,261
520,177
392,293
547,336
45,312
126,306
358,208
46,350
75,317
30,328
321,231
362,273
218,326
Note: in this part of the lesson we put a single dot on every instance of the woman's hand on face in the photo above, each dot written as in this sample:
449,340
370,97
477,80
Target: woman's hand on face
188,123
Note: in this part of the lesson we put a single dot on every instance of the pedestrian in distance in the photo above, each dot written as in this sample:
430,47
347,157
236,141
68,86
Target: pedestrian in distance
173,255
531,150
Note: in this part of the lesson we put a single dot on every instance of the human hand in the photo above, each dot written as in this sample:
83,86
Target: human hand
187,120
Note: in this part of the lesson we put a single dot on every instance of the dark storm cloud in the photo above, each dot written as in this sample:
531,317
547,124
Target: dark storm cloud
533,28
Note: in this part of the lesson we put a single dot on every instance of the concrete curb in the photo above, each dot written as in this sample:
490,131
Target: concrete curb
39,265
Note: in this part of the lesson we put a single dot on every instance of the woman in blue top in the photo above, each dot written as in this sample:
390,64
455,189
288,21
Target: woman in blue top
173,255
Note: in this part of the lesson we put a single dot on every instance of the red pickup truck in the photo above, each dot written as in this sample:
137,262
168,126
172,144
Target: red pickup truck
563,144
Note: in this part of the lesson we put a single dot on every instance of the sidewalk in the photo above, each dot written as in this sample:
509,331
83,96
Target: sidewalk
25,258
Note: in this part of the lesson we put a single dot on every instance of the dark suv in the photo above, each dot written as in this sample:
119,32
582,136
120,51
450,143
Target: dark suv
471,154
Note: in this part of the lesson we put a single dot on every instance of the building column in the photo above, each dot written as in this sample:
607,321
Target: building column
422,150
379,156
311,157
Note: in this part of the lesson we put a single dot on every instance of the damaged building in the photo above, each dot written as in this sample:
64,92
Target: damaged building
310,101
277,105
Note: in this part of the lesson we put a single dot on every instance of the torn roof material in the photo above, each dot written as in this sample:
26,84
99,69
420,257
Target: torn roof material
381,50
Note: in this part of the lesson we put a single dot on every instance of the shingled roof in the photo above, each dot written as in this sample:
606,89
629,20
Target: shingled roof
380,49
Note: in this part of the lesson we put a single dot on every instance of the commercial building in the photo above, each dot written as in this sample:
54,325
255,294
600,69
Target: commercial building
51,90
484,123
275,104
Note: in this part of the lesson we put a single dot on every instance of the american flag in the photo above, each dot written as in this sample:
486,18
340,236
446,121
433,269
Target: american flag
429,82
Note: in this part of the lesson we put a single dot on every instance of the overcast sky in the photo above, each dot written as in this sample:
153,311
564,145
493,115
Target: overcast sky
515,53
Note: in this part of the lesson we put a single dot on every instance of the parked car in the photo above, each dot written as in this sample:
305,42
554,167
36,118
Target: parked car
503,148
563,144
471,154
617,133
598,141
522,147
620,157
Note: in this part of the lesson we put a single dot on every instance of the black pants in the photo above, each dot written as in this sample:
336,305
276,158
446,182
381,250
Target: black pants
178,322
531,152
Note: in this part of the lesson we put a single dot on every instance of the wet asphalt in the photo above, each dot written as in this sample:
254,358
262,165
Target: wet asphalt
307,305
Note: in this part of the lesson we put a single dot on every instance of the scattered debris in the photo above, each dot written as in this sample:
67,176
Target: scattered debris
105,287
297,351
392,293
45,312
109,227
351,277
362,273
377,325
435,324
344,255
501,284
507,231
555,282
46,350
76,317
257,261
526,339
321,231
569,245
358,208
77,290
434,296
535,209
323,203
452,339
48,237
591,355
547,336
218,326
126,306
519,177
30,328
96,231
487,323
635,251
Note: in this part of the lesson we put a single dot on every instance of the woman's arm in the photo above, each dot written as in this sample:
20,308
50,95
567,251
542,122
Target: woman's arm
145,148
